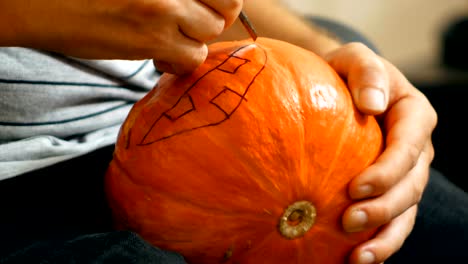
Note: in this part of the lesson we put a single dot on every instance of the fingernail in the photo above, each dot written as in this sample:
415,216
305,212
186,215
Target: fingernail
372,98
364,191
357,220
366,257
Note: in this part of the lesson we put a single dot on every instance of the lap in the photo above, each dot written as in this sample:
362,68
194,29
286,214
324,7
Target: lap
65,203
441,229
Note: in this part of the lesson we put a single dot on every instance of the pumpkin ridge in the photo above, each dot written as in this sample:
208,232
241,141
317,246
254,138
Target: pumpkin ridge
258,247
261,177
217,195
328,180
241,213
265,183
246,217
186,93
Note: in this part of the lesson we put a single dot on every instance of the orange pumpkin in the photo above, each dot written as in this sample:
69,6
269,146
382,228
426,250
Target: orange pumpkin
247,160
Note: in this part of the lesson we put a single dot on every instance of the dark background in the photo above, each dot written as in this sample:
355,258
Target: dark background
446,86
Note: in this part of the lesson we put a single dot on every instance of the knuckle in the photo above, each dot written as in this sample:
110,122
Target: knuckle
371,63
386,215
197,57
430,151
434,115
431,110
423,101
216,29
152,43
383,214
369,69
417,192
149,9
413,152
186,62
202,54
230,11
234,4
382,181
359,48
387,249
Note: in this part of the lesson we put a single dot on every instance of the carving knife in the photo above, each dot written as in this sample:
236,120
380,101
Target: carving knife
248,26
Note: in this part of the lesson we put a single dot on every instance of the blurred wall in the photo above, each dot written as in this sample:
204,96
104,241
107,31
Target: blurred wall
409,34
404,30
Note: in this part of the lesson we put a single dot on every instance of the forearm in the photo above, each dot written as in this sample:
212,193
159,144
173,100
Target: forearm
37,24
9,24
272,19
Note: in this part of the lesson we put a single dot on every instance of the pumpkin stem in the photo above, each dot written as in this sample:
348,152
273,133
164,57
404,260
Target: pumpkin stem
297,219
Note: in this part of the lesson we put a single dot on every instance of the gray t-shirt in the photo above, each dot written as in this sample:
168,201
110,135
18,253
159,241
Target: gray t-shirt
54,108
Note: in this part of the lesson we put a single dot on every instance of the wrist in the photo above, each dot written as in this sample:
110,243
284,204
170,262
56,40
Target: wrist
29,24
320,41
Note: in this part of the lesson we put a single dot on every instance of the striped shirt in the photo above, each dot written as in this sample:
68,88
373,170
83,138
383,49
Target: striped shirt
54,108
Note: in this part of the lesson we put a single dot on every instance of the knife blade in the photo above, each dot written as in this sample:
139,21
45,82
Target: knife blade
248,25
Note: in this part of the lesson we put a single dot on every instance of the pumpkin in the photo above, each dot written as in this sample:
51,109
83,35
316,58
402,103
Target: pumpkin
246,160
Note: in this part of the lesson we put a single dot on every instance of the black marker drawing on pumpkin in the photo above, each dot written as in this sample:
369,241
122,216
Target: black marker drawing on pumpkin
221,105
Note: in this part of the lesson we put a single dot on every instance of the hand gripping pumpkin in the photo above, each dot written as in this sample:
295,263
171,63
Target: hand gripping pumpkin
247,160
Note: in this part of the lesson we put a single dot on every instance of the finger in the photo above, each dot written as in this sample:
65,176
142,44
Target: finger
366,76
183,57
387,241
382,209
412,116
200,22
228,9
164,67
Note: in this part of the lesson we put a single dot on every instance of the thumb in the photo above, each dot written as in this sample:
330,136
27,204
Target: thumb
365,74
